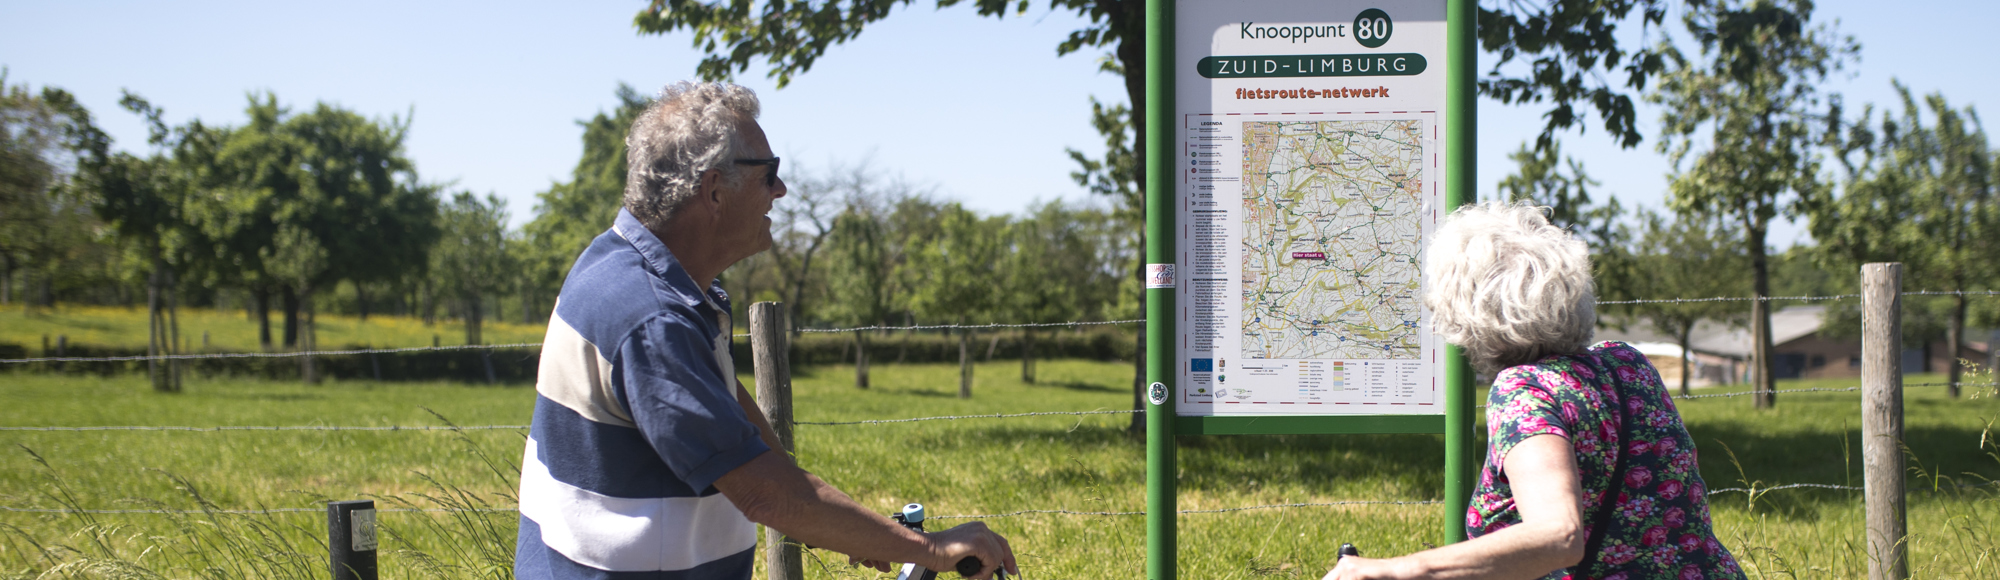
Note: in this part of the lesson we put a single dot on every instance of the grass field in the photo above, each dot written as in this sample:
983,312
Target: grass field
230,330
970,466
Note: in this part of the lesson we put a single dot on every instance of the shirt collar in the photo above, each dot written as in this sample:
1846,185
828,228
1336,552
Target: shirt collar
662,263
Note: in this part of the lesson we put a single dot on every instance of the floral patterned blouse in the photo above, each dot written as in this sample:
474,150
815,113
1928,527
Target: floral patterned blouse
1660,526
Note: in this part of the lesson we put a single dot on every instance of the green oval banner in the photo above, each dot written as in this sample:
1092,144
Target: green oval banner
1312,65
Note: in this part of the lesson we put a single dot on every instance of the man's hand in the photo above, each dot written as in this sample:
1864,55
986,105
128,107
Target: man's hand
975,540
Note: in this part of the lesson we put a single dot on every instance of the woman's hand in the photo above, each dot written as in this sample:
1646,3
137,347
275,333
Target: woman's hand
1359,568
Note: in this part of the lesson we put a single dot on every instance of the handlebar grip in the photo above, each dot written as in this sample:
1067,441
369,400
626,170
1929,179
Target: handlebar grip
1348,550
969,566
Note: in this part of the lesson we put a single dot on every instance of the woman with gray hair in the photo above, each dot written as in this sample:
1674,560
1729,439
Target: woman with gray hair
1589,471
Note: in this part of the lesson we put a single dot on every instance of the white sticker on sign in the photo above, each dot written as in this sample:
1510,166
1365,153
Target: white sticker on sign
1159,275
363,522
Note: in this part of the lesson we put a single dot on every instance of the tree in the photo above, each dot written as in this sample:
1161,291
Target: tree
570,214
1055,271
328,175
954,265
1539,179
1572,43
1756,103
1922,195
45,218
1686,258
866,249
471,260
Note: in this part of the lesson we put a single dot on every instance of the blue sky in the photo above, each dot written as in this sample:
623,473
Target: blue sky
979,109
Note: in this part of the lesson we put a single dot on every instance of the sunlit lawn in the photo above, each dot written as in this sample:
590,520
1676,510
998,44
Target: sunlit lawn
969,466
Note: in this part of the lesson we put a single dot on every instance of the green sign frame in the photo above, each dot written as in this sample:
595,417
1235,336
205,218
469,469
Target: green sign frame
1162,424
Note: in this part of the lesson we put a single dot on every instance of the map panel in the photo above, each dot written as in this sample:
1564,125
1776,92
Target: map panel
1331,239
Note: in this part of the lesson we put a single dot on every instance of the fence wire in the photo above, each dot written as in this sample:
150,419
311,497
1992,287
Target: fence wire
909,327
816,423
1017,513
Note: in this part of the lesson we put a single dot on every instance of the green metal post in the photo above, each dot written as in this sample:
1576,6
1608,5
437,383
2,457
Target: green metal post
1161,469
1460,139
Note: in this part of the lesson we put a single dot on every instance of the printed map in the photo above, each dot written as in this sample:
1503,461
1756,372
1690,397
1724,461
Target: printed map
1331,237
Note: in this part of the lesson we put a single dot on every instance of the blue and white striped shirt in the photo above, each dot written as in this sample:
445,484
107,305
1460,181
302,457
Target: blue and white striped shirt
636,417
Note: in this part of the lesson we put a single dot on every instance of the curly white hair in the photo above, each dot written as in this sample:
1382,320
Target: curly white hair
690,129
1508,287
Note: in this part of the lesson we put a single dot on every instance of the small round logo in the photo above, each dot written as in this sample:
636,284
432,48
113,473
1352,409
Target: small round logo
1157,393
1372,28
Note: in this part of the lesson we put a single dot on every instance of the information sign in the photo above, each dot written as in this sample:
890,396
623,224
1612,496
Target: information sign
1311,170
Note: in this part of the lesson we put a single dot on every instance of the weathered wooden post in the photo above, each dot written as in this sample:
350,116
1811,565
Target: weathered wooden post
770,348
350,539
1882,419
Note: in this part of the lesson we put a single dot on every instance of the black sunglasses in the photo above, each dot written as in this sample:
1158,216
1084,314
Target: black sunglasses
770,179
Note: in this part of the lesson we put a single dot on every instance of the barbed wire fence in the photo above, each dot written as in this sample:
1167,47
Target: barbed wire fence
1752,490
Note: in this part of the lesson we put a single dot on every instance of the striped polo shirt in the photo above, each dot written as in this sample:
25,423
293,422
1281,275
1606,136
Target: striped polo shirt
635,418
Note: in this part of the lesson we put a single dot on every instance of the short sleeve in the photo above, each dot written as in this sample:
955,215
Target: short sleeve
682,404
1520,406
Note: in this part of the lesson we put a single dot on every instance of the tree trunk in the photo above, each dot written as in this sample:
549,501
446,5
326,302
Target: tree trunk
173,332
964,361
473,317
307,342
1763,369
262,296
1954,336
153,328
6,278
361,300
1028,355
1687,357
861,359
289,299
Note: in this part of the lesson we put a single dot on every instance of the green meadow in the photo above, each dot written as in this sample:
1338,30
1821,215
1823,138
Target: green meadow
1079,463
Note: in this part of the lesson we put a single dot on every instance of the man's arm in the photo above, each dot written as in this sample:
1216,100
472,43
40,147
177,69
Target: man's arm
773,491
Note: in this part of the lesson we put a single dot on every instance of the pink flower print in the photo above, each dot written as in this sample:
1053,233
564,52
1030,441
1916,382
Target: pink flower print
1584,371
1728,564
1690,572
1619,554
1712,547
1640,447
1654,536
1618,576
1669,490
1569,411
1664,557
1695,489
1634,404
1658,419
1676,517
1665,446
1624,354
1472,519
1689,542
1627,375
1638,477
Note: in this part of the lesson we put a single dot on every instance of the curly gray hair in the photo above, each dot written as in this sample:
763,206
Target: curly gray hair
690,129
1509,287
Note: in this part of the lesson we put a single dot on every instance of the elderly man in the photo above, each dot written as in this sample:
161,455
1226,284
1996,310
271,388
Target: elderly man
647,459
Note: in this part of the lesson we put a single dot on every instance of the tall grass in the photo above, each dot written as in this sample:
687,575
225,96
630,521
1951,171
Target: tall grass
959,467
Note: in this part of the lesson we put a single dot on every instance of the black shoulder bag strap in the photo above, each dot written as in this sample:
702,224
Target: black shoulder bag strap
1601,526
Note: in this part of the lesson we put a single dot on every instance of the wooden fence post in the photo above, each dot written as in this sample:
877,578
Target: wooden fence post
770,347
350,539
1882,419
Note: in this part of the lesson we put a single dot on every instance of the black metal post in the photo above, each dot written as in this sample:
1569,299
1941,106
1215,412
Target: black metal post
350,539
